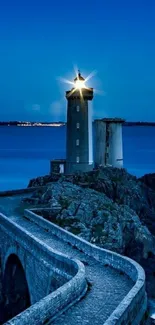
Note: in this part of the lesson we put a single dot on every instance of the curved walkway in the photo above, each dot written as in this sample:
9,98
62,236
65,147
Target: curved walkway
107,287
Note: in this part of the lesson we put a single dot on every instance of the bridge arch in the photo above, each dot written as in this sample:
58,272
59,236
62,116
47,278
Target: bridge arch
15,288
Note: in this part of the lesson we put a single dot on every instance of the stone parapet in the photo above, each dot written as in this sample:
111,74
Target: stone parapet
132,309
62,298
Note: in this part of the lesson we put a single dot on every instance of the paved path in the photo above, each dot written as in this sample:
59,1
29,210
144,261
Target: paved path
108,287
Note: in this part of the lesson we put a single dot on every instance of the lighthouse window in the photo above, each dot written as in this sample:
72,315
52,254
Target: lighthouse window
78,108
77,125
77,142
77,160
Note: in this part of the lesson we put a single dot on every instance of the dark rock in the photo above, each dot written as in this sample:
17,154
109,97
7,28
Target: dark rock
148,180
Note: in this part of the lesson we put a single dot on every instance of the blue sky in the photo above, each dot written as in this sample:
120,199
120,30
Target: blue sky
43,40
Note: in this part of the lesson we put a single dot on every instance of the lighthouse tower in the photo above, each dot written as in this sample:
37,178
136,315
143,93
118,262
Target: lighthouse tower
79,149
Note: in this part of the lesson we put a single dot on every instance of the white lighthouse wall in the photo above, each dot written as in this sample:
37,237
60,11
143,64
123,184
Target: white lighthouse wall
115,145
90,135
100,142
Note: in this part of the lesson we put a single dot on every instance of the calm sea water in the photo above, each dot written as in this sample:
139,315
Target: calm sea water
25,152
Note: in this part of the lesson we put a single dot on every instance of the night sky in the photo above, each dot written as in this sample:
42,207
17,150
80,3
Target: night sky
41,41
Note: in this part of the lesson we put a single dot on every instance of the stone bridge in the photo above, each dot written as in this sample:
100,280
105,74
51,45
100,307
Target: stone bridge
51,276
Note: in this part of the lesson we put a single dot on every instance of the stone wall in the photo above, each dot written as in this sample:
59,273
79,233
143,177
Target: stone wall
40,262
133,306
20,191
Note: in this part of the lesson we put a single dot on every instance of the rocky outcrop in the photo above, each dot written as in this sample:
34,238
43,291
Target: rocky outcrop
149,180
108,207
43,180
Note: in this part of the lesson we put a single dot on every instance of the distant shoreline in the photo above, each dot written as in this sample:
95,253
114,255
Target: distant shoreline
33,124
58,124
139,123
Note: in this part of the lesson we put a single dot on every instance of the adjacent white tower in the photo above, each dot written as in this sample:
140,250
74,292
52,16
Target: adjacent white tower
108,142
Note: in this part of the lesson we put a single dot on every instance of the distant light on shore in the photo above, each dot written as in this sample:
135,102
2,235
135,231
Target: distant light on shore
40,124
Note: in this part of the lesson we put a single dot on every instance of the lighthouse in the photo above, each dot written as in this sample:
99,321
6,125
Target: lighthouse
79,148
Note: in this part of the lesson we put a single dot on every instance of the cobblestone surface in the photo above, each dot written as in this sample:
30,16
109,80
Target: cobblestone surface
107,287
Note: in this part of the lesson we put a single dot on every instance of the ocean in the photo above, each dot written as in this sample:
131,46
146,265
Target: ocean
25,152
